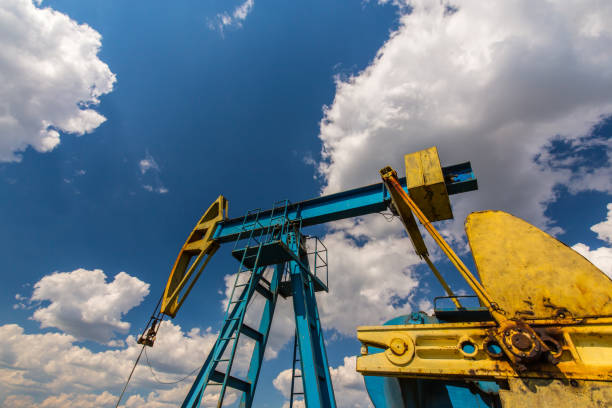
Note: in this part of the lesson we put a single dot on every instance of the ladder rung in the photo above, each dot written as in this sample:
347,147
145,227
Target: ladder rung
252,333
228,338
298,393
263,291
233,382
222,360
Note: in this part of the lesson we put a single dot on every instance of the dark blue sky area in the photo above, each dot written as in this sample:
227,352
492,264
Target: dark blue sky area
232,114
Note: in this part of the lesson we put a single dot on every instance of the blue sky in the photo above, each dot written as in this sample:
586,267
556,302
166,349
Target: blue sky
123,121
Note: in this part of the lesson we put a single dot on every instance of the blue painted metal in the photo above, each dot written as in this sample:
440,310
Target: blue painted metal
234,326
273,237
351,203
316,380
294,375
228,333
264,329
390,392
284,248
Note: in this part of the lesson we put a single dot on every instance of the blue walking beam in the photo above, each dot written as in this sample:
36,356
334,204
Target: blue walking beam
347,204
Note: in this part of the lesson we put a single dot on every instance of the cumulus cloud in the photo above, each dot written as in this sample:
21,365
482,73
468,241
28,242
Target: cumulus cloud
371,275
604,228
63,400
349,387
51,78
493,83
57,372
488,83
233,19
83,304
602,256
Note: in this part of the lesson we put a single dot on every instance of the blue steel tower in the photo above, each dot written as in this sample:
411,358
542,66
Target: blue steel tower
275,241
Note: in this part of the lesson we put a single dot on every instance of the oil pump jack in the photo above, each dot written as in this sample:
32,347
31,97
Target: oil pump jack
540,333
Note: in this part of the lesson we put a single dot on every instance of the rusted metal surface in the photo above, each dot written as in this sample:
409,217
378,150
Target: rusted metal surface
583,350
530,274
551,333
556,393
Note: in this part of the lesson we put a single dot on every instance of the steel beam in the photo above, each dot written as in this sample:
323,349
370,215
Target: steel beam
351,203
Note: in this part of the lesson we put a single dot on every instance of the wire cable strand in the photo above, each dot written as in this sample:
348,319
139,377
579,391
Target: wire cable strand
154,316
167,382
130,376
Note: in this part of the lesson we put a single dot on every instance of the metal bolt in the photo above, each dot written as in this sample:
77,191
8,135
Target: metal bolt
397,346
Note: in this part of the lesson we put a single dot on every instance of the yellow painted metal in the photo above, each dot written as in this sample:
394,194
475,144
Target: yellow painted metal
556,393
403,210
426,185
405,203
532,275
583,347
518,341
194,255
551,334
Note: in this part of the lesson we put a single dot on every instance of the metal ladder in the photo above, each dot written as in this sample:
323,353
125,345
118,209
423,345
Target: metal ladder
217,368
293,374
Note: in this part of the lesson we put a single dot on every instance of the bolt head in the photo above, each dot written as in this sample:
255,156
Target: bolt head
397,346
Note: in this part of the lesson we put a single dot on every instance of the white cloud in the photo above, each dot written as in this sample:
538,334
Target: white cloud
52,369
51,78
604,228
492,83
602,256
148,165
84,305
367,279
63,400
234,19
349,387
